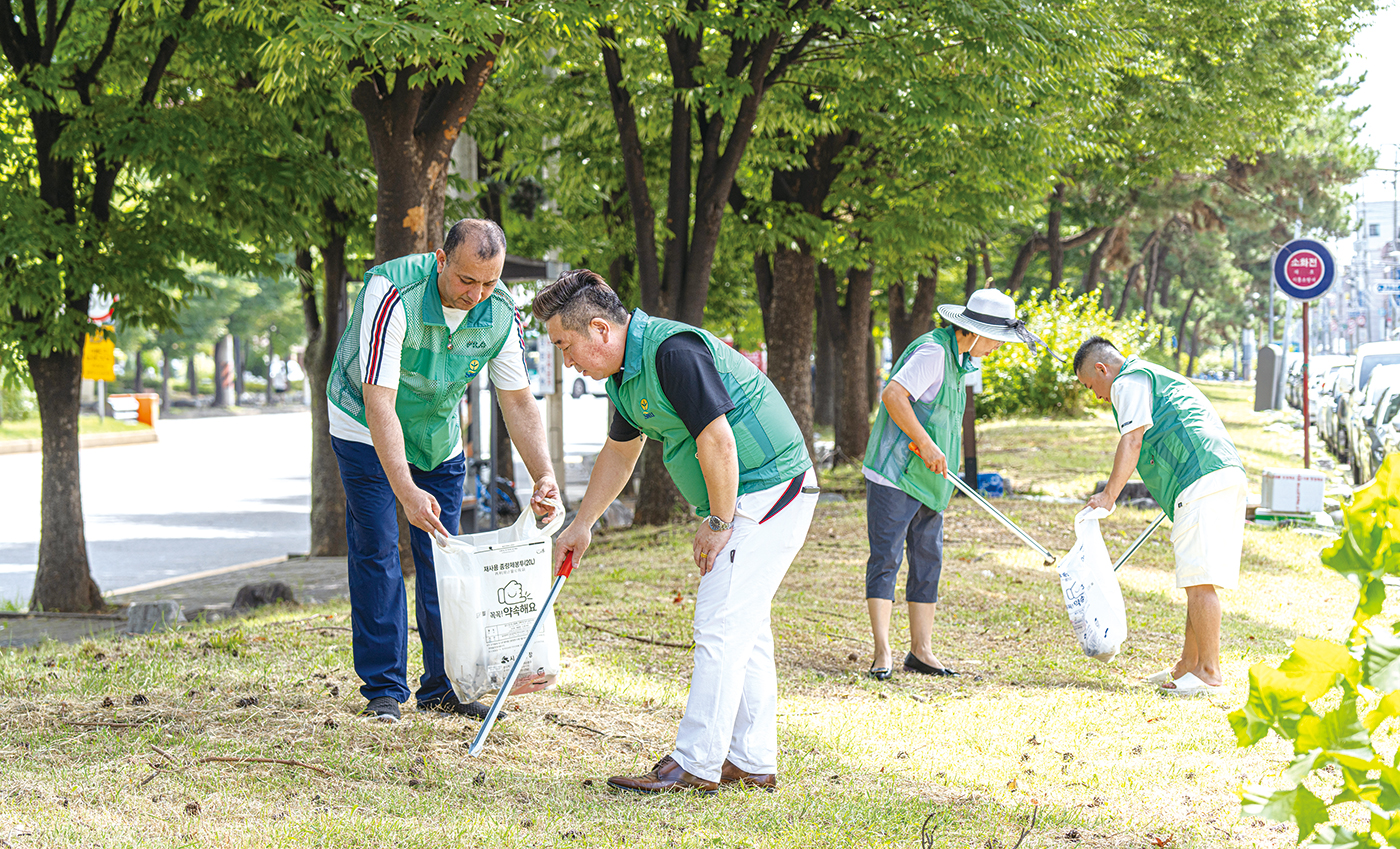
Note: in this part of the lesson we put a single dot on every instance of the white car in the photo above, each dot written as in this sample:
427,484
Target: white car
584,385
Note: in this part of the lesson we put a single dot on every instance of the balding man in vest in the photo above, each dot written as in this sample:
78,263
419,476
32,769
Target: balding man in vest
736,454
424,326
1174,439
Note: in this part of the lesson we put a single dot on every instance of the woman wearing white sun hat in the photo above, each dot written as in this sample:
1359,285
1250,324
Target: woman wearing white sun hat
906,492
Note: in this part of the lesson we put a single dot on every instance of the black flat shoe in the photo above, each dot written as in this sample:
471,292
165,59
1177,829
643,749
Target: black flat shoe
913,664
881,674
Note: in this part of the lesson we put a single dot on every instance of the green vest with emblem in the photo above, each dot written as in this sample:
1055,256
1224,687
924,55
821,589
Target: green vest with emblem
770,446
887,453
1186,441
435,366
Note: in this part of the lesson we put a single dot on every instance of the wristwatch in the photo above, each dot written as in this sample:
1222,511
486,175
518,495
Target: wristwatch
718,524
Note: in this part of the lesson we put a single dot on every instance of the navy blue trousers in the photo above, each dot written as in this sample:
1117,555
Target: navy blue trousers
378,600
895,520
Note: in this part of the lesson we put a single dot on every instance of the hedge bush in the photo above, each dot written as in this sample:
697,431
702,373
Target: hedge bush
1017,381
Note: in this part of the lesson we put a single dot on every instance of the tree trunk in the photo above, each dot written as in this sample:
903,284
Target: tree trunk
986,266
1023,262
853,415
1151,281
165,378
824,384
271,354
223,374
1052,230
411,131
788,328
908,325
138,378
323,331
970,283
1195,345
62,582
1181,325
1128,285
238,358
191,373
1091,273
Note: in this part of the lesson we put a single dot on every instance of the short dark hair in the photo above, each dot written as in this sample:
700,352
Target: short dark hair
578,297
1093,348
482,233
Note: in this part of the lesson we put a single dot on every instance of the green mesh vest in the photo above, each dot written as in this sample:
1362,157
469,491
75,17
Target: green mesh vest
770,446
887,453
1186,441
436,366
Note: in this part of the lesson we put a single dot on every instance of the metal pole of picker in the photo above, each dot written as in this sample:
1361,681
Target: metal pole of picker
1137,543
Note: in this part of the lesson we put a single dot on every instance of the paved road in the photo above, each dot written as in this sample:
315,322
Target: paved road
212,492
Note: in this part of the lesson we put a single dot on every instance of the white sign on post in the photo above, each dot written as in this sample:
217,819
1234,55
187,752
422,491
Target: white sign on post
544,364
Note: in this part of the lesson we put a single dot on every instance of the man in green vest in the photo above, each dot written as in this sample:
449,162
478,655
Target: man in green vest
423,327
1174,439
905,490
736,454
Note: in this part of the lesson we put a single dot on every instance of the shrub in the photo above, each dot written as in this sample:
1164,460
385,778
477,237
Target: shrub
1016,380
1330,699
16,401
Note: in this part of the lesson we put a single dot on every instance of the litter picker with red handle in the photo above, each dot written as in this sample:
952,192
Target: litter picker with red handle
565,569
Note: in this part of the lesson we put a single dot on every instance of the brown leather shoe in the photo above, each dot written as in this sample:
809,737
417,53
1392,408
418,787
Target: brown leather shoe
731,774
666,777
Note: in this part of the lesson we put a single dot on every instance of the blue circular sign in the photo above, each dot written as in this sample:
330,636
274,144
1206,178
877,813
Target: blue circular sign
1304,269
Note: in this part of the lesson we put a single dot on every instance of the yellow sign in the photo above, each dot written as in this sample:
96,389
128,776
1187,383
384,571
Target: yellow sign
99,357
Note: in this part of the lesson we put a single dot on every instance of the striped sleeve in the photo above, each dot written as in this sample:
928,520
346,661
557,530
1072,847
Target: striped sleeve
507,370
381,333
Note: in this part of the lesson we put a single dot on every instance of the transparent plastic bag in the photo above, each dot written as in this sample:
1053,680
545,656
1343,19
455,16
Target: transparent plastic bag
1092,596
490,587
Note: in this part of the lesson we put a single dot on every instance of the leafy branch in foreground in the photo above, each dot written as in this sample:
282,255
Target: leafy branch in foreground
1335,761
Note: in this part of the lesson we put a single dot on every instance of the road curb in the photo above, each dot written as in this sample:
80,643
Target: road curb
195,576
92,440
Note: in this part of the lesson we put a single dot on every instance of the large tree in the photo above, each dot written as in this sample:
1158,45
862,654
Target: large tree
99,112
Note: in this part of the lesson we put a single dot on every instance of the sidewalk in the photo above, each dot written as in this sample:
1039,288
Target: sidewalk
210,594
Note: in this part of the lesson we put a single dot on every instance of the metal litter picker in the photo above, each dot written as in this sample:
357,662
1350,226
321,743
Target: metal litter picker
977,498
1139,541
565,569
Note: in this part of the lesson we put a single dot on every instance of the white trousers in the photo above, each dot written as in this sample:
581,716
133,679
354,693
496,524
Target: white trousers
732,709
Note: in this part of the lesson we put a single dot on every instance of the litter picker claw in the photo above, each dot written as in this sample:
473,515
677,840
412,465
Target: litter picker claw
996,514
565,569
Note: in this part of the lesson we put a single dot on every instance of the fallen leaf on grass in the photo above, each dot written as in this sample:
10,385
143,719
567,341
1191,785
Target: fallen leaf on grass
140,699
107,702
192,809
1161,842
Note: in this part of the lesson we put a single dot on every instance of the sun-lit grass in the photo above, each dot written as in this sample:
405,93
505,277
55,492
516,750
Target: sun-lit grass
1031,722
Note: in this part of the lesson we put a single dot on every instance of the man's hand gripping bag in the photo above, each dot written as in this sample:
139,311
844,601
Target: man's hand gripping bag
1092,596
490,586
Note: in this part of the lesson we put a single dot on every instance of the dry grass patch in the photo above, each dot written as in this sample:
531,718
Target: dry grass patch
1030,724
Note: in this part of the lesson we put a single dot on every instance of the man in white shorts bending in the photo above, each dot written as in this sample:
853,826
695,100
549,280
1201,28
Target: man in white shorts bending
1173,437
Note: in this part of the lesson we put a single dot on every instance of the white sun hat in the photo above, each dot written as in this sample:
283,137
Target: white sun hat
990,314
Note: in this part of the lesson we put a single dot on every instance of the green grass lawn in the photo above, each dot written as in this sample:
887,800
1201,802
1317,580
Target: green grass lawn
102,743
29,428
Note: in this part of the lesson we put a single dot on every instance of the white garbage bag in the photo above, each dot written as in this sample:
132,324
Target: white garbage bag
490,588
1092,596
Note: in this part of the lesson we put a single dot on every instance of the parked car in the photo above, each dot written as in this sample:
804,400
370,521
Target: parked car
1338,429
1362,409
585,385
1372,450
1368,358
1326,406
1318,369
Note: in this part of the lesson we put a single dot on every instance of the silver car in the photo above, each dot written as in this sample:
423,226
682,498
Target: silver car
1361,410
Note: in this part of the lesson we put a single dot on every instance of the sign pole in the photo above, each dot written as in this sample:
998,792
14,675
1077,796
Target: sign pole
1307,447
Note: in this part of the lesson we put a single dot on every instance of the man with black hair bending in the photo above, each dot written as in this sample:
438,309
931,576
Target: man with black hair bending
735,452
1173,437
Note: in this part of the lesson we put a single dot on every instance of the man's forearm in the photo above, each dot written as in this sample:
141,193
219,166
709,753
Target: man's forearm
719,462
1124,462
612,468
526,428
387,435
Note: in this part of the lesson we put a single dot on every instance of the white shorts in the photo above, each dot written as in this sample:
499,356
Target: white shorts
1208,532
